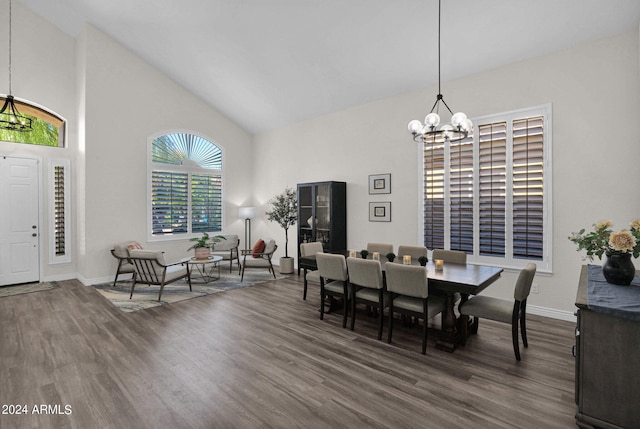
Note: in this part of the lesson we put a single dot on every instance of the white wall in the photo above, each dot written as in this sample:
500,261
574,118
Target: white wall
43,73
127,101
595,92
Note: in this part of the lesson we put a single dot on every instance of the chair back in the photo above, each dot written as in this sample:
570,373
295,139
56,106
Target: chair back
230,242
523,284
149,265
382,248
308,249
270,247
332,267
414,251
409,280
365,273
450,256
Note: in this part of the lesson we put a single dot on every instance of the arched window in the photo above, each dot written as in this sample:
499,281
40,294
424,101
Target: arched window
48,128
186,186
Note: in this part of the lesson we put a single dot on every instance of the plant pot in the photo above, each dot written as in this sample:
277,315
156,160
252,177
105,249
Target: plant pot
286,265
202,252
618,269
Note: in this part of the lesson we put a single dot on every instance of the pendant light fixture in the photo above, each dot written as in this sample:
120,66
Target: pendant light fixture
460,125
10,118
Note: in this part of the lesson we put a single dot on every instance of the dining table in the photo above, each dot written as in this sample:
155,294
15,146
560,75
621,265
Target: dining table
463,279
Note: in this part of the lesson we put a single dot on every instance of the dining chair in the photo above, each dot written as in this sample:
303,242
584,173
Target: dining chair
367,287
333,281
414,251
308,249
382,248
449,256
409,294
502,310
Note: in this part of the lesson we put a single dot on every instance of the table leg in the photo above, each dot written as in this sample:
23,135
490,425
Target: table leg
449,337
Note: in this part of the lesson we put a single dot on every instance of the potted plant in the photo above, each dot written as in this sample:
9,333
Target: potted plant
364,254
202,247
284,211
423,260
619,247
390,256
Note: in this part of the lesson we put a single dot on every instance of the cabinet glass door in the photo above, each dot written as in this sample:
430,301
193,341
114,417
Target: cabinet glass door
323,213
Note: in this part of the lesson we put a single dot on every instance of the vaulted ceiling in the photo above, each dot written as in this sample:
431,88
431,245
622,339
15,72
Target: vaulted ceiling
268,63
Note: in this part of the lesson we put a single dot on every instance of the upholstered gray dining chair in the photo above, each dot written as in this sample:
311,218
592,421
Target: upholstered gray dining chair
333,281
367,287
449,256
414,251
382,248
409,294
502,310
308,249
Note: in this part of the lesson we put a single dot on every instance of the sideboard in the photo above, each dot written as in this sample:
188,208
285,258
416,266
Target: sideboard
607,352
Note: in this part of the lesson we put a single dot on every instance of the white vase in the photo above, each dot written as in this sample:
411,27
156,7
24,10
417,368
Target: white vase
286,265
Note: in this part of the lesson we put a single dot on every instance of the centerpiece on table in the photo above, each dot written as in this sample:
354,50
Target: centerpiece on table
618,247
202,247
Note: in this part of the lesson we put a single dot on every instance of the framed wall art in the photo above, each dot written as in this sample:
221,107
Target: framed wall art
380,212
380,183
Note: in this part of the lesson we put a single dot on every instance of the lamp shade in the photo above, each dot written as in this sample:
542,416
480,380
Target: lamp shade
247,212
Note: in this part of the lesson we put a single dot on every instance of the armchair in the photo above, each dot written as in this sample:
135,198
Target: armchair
121,252
258,257
228,249
152,269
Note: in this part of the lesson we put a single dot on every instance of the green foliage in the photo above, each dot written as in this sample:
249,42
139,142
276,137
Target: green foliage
43,134
390,256
364,254
603,240
204,241
284,211
423,260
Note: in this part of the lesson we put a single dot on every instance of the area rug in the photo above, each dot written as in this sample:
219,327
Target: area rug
26,288
145,296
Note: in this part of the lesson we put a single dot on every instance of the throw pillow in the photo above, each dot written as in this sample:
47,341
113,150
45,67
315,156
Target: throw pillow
258,248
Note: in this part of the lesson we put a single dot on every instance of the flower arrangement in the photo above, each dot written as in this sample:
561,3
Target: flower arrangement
603,240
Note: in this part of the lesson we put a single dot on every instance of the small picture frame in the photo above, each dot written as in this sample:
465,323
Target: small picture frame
380,183
380,212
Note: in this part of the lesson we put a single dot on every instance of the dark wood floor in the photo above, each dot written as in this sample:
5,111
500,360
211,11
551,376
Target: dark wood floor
260,357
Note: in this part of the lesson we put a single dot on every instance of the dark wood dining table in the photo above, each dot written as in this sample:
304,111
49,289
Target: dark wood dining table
468,279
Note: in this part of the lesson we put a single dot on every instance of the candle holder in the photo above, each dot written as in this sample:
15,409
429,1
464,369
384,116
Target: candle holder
352,253
406,259
376,256
439,264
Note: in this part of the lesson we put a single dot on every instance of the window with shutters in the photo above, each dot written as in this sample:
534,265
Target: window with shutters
59,211
489,195
185,186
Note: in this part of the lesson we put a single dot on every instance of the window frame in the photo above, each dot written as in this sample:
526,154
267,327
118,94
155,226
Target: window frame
508,261
190,169
42,113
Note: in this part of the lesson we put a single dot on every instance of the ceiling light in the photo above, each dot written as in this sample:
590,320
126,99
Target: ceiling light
10,118
460,125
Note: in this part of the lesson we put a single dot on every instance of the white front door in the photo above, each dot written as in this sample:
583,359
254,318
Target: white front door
19,232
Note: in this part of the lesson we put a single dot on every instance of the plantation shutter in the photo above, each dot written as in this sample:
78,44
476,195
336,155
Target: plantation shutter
170,202
528,166
206,203
492,188
59,211
434,221
461,195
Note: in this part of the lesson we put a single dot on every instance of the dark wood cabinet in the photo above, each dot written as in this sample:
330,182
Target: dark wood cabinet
322,215
607,366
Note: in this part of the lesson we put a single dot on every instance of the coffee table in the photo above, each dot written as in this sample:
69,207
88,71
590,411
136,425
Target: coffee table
206,268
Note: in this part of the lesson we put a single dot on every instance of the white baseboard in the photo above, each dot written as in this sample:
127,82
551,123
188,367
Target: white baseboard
58,278
551,312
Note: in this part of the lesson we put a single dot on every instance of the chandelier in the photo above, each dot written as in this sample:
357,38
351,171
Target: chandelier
460,125
10,118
